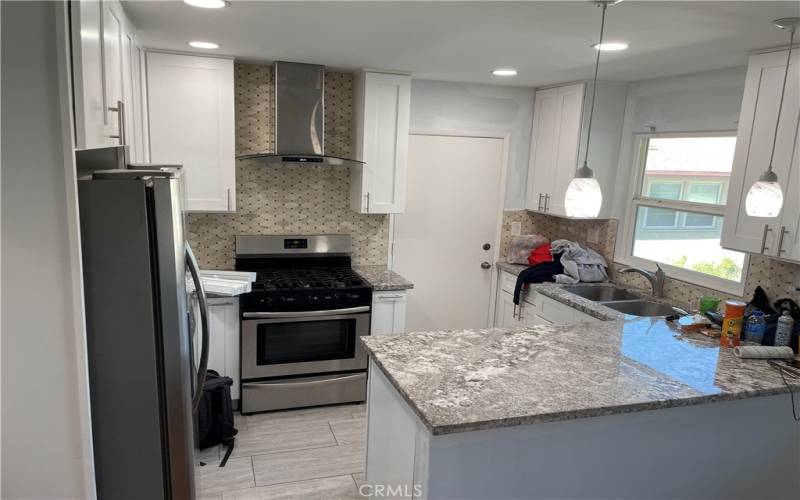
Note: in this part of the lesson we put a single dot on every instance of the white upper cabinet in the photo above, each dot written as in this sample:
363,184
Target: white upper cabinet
776,236
106,65
560,124
191,119
382,108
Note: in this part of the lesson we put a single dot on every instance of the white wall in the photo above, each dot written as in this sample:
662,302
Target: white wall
46,450
446,107
708,101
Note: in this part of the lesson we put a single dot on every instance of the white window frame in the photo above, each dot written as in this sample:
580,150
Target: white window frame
624,251
675,223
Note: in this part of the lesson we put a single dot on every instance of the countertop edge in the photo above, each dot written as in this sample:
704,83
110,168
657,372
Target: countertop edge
382,279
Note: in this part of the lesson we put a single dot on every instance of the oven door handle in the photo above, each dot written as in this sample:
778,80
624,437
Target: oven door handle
305,314
269,385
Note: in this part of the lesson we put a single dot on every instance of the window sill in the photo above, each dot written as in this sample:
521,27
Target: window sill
690,277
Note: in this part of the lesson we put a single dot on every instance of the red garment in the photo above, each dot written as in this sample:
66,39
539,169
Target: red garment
540,254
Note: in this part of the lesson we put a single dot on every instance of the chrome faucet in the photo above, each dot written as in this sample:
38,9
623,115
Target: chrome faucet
656,279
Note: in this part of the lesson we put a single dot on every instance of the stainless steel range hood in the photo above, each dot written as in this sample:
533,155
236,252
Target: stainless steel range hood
299,117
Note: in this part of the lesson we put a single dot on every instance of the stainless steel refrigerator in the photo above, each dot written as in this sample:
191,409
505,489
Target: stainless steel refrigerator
144,382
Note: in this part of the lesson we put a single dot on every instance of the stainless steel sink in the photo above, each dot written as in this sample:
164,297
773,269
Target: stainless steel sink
601,293
641,307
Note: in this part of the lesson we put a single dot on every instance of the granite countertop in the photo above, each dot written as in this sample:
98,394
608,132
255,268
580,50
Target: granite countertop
458,381
381,278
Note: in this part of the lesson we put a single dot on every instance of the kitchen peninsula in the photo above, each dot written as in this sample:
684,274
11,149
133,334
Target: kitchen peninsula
612,409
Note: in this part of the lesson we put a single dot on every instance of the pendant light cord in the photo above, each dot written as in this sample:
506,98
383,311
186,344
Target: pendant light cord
603,5
780,105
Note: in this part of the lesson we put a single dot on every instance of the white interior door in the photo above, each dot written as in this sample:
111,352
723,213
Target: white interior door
452,210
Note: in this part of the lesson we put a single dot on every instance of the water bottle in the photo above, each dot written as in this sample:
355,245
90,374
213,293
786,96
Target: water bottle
783,333
755,327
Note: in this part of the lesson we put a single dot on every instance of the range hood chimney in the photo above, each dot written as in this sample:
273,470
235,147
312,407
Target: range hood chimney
299,117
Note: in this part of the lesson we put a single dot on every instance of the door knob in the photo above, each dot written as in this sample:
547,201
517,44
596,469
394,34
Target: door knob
485,265
486,246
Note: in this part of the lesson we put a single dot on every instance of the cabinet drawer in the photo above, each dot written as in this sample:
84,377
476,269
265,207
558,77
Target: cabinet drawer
507,282
555,312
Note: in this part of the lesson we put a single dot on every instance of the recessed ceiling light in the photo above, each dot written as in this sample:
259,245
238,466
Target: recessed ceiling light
204,45
504,72
610,46
207,4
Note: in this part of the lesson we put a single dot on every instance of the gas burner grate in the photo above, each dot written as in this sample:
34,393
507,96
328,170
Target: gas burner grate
307,279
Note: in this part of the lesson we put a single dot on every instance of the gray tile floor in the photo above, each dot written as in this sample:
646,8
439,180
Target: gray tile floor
315,453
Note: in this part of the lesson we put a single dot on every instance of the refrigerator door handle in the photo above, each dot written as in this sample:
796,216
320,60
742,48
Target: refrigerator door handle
202,366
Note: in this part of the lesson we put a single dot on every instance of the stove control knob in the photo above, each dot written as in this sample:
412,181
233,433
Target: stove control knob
353,296
287,300
313,299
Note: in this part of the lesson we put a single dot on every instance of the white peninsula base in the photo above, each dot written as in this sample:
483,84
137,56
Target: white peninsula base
748,448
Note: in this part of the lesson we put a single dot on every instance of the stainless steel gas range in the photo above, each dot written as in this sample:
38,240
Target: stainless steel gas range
301,323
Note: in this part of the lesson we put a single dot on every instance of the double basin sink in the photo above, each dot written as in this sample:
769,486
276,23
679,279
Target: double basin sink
621,300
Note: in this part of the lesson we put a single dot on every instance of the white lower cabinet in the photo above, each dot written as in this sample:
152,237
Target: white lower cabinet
389,312
223,354
505,313
534,308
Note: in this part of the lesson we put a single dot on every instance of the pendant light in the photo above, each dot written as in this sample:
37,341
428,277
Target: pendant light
765,198
584,196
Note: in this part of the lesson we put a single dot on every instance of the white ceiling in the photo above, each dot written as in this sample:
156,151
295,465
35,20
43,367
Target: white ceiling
548,42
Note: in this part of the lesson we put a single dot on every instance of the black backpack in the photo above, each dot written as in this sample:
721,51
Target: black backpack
215,412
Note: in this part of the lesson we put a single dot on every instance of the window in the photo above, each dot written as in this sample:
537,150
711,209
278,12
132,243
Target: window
677,208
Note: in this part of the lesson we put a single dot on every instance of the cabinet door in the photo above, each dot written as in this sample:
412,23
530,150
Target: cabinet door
388,313
542,156
132,116
570,109
382,120
224,339
191,111
506,311
113,28
753,146
788,247
216,338
87,74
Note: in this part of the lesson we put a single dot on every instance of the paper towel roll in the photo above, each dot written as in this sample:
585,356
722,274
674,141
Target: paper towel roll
763,352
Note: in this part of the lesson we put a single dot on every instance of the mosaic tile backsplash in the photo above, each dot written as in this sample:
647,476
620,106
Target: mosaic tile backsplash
288,199
777,278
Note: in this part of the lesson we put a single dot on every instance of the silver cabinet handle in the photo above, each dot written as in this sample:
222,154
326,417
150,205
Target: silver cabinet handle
120,111
514,312
269,385
485,265
306,314
764,238
388,297
780,240
367,201
229,199
546,202
194,270
539,206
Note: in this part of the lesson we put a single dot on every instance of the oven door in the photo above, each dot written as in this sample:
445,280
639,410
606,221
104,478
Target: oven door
279,344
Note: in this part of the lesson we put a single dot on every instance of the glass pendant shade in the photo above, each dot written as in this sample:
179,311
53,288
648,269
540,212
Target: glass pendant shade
765,197
584,196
